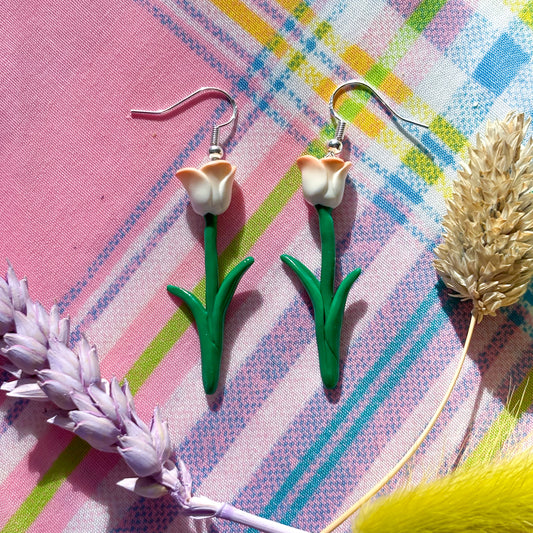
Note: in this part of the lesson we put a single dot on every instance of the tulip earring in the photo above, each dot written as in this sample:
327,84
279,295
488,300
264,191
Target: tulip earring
323,182
209,190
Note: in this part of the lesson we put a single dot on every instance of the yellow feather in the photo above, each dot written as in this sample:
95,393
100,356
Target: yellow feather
494,497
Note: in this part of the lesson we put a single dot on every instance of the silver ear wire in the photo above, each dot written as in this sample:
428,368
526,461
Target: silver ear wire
335,145
215,150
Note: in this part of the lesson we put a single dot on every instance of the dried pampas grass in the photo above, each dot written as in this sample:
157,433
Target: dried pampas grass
487,252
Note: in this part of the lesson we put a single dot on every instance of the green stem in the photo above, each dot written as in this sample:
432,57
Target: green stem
211,262
327,240
328,351
211,347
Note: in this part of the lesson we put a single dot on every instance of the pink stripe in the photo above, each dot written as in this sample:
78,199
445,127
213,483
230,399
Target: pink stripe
81,177
187,274
266,252
159,387
83,482
306,426
50,215
414,66
376,40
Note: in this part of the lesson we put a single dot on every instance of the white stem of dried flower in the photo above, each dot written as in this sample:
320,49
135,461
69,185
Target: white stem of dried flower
35,351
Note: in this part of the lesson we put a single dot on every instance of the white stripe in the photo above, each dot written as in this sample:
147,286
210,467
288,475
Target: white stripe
302,381
218,18
188,403
20,442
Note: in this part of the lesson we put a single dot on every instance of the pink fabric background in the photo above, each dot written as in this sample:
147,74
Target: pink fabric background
76,170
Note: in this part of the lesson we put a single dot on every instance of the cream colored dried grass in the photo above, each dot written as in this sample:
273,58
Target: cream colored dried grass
487,252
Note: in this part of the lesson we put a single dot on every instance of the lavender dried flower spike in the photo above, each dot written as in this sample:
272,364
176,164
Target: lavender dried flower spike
35,351
487,252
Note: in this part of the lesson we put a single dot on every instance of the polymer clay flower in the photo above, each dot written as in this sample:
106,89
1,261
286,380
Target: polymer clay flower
209,187
323,179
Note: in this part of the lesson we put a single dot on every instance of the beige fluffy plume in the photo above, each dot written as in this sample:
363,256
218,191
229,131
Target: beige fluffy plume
487,251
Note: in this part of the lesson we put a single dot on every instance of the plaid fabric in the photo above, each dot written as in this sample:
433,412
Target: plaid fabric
92,216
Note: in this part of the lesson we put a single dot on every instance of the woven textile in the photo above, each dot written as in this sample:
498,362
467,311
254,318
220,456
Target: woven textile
92,216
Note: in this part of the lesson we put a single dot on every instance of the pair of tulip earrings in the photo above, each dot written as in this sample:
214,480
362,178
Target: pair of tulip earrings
323,182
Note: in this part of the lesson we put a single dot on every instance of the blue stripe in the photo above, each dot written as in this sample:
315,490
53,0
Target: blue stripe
360,390
154,192
136,214
200,457
127,272
13,412
383,392
438,149
261,102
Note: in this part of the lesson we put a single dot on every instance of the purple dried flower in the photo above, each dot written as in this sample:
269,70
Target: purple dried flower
160,436
24,388
146,487
25,353
104,403
35,344
140,456
183,492
90,368
16,290
97,430
63,360
58,387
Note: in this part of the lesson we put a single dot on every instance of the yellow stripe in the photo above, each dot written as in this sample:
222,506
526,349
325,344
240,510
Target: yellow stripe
324,86
506,422
516,5
356,58
360,61
254,25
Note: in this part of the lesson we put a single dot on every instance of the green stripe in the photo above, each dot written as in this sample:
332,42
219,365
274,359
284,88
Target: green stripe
527,14
504,425
377,74
47,486
399,45
451,136
405,37
424,14
159,347
322,29
423,166
239,246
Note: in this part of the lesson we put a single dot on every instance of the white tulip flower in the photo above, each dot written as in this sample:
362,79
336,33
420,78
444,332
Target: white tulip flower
323,179
209,187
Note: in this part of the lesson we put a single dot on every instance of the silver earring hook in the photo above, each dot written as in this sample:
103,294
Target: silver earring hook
335,145
215,150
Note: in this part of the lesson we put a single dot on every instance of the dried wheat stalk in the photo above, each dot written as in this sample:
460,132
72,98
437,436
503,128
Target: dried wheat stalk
487,252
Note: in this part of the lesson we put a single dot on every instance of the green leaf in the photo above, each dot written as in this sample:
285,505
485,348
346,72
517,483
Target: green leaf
308,279
227,290
192,302
336,313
